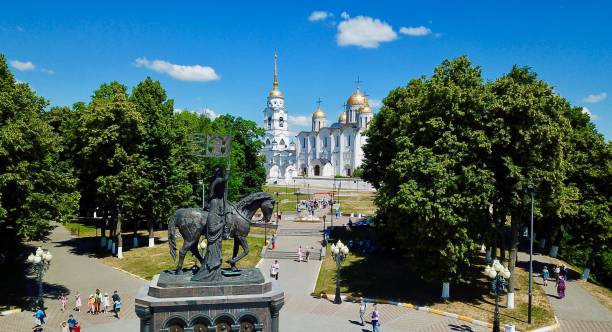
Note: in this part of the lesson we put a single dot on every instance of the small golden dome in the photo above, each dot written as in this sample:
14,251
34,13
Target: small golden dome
342,117
275,93
356,98
318,114
365,109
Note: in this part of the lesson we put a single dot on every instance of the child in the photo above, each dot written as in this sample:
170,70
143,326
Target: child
545,275
561,287
106,303
90,304
77,327
78,302
117,308
300,254
64,327
64,301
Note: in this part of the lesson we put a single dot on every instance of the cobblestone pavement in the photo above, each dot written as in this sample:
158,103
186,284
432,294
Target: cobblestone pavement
73,270
578,311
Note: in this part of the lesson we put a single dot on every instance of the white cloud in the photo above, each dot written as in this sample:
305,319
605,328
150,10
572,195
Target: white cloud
184,73
299,120
588,112
415,31
595,98
20,29
47,71
365,32
375,103
22,66
319,15
345,15
209,113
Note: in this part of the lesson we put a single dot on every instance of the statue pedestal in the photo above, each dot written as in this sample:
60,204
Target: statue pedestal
236,303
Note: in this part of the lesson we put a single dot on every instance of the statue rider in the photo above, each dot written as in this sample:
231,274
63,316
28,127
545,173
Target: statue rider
216,202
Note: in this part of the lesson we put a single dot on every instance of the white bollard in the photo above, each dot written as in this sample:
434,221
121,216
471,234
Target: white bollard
509,328
151,242
120,252
554,250
135,242
483,249
445,290
510,301
585,273
542,243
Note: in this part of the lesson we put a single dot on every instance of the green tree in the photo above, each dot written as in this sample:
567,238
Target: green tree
36,186
424,155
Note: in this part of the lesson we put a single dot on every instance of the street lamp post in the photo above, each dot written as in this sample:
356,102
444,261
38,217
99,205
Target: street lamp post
531,193
340,252
499,274
40,260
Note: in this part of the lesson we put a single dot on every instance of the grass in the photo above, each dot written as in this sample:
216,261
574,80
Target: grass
386,277
82,228
147,262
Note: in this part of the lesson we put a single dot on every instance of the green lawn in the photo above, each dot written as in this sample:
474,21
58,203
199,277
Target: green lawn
82,228
387,278
147,262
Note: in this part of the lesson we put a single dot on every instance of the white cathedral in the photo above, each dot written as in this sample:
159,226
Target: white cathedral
325,151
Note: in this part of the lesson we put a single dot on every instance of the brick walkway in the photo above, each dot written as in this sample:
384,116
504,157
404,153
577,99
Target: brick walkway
73,270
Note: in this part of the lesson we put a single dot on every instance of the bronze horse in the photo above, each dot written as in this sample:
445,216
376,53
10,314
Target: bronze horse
191,222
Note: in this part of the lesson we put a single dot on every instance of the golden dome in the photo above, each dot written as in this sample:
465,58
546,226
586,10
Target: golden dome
275,93
356,98
318,114
365,109
342,117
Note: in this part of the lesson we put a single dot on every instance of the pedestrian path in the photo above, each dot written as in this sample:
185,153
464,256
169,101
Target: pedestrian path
303,313
578,311
72,271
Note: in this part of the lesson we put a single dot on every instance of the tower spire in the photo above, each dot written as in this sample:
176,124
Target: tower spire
275,85
358,82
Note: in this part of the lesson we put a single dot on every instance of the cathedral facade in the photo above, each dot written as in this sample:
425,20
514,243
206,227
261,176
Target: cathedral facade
327,150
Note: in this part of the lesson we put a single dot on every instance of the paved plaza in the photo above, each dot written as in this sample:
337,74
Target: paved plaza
74,269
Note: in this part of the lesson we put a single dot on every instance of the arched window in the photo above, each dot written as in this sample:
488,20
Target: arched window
337,141
269,122
325,142
281,122
267,142
304,143
348,141
282,141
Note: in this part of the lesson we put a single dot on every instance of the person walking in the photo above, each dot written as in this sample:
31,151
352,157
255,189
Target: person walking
39,316
64,301
274,269
557,272
561,287
375,317
64,327
117,308
90,304
71,323
115,299
545,275
362,309
97,301
300,254
273,241
307,253
77,302
77,327
106,302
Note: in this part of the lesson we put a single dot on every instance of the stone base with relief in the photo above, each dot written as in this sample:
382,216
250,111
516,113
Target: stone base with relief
237,303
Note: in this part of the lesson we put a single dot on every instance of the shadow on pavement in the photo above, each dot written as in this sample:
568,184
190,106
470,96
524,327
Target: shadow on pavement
463,328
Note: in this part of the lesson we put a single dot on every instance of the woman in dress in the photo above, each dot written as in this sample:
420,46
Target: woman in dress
64,301
561,287
300,254
78,302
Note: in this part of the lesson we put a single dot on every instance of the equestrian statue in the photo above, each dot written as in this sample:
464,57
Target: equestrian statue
219,220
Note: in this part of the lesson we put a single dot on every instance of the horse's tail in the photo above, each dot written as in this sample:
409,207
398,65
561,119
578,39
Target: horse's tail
171,238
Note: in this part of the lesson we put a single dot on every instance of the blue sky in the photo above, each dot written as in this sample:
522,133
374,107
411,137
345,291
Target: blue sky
66,50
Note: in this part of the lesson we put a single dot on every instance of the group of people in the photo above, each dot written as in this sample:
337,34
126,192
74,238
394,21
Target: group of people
303,254
374,316
312,205
560,274
96,303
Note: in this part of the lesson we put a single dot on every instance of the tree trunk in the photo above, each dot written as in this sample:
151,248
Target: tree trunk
554,241
589,264
119,236
514,227
103,230
151,236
